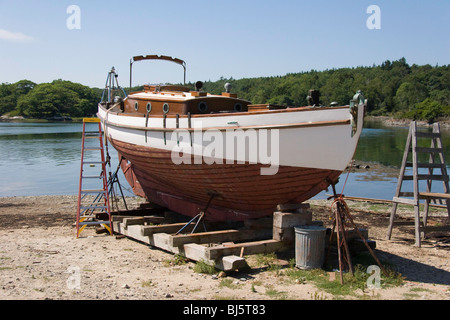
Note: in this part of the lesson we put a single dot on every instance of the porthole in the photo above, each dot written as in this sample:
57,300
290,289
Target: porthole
136,106
238,107
149,107
202,106
166,107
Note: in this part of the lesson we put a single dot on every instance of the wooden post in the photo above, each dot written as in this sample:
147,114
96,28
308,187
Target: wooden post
415,183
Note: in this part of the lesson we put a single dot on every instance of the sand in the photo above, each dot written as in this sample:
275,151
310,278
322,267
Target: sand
41,258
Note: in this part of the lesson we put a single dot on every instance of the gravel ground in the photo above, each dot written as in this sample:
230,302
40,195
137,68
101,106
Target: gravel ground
41,258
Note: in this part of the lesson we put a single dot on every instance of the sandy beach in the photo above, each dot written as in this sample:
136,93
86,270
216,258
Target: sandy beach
41,258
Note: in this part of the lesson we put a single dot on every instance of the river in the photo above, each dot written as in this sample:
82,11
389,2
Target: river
44,159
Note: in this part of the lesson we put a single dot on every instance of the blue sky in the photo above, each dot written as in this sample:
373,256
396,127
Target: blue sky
239,39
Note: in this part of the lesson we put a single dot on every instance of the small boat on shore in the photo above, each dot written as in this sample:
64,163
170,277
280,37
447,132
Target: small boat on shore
189,150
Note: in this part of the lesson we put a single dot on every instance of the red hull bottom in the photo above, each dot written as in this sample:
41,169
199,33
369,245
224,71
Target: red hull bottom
241,192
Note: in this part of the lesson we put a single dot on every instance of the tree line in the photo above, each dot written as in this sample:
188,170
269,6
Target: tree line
393,88
59,98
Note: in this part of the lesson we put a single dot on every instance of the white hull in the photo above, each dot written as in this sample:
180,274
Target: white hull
315,138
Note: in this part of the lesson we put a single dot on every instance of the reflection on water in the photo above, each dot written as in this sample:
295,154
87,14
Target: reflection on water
44,159
381,149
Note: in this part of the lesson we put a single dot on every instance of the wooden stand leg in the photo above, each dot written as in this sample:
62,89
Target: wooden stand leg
391,220
417,224
344,240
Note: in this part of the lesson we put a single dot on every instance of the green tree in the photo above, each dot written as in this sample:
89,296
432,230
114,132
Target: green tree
48,100
10,93
428,110
408,94
58,98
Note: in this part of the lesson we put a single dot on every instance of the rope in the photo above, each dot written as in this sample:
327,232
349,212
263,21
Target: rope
340,198
345,182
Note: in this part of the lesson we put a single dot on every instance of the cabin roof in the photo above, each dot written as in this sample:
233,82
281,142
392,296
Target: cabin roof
175,96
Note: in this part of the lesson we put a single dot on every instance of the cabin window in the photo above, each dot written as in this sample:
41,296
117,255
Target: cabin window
166,107
202,106
149,107
136,106
238,107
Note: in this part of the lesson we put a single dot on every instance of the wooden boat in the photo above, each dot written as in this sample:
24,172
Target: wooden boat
189,150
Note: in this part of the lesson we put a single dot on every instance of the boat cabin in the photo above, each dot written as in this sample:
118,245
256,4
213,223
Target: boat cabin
169,99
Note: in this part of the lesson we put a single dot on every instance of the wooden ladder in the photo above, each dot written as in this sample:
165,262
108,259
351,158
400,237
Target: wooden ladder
93,203
436,150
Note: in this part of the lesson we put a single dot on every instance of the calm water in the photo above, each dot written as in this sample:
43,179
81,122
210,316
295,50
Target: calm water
44,159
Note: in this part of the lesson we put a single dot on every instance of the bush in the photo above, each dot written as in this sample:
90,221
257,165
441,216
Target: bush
427,110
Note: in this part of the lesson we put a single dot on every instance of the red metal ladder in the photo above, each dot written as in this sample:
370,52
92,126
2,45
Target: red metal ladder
93,204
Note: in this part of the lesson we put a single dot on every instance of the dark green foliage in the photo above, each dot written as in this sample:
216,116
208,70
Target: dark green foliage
428,110
10,93
394,88
59,98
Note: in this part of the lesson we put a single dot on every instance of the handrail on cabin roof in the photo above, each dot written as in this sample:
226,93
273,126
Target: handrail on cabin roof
157,57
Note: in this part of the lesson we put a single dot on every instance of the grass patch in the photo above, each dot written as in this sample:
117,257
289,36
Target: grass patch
177,260
321,279
415,293
228,283
216,297
5,268
275,294
265,259
411,296
317,296
419,290
204,267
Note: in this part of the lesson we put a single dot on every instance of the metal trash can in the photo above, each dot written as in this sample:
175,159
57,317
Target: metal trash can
309,246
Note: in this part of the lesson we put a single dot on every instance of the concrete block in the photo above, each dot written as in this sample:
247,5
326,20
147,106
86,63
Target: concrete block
285,234
288,220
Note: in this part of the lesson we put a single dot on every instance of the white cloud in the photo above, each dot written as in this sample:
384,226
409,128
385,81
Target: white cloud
14,36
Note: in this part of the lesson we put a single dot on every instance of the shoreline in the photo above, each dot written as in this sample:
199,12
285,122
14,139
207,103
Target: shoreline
394,122
387,121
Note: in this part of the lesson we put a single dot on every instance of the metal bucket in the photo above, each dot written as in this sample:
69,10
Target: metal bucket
309,246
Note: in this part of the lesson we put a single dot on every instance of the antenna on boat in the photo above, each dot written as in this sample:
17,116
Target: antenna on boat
156,57
112,85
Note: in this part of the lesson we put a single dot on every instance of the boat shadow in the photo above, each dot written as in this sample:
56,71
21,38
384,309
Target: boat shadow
415,271
409,269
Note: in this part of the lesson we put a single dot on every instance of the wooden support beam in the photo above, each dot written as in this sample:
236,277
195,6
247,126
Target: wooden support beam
220,236
254,247
165,228
293,207
197,252
437,177
224,256
128,221
231,263
433,195
162,241
138,212
405,201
